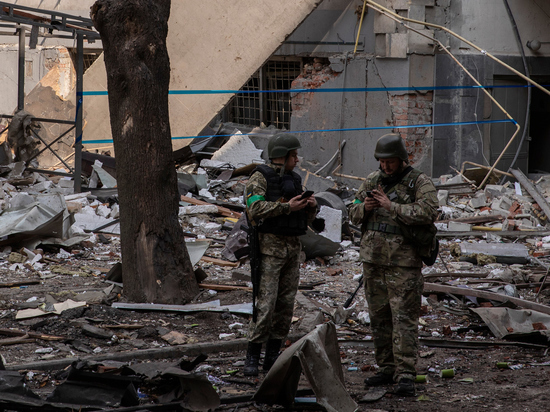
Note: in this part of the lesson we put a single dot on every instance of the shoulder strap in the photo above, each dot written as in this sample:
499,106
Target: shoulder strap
410,182
265,170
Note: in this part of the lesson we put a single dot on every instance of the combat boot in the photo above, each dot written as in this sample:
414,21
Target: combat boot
405,387
252,359
378,379
271,353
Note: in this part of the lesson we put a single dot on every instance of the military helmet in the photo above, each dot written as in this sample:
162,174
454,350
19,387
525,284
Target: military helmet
391,145
282,143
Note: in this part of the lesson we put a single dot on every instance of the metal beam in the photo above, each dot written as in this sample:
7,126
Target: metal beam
21,71
79,111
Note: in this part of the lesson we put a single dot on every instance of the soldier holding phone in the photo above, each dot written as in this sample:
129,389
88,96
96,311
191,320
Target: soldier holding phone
281,212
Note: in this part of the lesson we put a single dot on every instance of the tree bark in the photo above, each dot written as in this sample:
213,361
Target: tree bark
155,263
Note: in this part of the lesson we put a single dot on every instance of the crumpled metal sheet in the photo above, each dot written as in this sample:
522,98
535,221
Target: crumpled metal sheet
513,323
36,220
318,355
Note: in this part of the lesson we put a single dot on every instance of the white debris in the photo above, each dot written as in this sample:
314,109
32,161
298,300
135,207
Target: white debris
63,254
227,336
238,151
333,223
363,317
44,350
197,209
207,194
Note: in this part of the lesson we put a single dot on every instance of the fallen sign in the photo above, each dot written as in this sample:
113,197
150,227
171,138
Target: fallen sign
213,306
433,287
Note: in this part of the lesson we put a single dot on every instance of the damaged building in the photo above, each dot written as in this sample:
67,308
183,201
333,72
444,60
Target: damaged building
357,74
338,73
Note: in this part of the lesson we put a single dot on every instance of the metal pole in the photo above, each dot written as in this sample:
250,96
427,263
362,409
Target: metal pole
21,73
78,120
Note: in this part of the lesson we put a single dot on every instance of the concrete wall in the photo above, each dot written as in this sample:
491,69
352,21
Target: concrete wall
397,57
488,25
390,58
216,45
50,53
38,63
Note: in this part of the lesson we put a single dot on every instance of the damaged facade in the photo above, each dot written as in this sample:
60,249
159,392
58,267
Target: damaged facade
408,79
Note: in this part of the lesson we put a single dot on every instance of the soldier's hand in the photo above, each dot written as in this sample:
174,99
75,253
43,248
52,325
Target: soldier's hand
311,202
297,204
381,198
370,203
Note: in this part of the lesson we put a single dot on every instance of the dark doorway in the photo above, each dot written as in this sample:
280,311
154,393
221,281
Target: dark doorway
539,131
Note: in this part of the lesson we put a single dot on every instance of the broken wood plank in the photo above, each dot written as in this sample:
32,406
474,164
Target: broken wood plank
177,351
213,306
15,332
456,275
16,341
509,233
220,262
123,326
474,219
532,190
433,287
22,283
221,210
224,287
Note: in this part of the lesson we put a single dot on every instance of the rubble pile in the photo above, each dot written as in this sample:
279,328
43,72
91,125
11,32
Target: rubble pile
61,293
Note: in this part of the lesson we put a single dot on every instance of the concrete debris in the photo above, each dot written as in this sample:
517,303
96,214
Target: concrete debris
495,250
238,151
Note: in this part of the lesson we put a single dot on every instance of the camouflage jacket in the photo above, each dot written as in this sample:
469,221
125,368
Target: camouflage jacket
270,244
392,249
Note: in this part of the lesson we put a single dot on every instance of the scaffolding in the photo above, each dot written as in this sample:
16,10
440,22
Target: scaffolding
51,24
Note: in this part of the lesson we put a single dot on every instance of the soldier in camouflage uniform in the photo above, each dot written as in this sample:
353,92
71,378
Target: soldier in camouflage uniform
273,203
395,196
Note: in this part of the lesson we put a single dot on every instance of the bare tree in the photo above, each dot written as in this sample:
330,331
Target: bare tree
155,262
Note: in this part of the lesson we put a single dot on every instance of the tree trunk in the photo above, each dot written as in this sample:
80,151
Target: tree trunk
155,264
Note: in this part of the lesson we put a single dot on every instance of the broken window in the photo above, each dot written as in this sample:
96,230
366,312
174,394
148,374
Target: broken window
271,108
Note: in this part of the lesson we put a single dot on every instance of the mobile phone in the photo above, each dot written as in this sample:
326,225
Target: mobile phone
369,193
306,194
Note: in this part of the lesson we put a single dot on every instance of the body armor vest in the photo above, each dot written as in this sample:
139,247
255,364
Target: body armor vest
293,224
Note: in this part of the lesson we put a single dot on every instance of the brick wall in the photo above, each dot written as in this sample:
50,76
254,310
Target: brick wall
313,77
410,109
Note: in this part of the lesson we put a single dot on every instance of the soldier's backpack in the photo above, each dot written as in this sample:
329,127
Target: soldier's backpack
423,236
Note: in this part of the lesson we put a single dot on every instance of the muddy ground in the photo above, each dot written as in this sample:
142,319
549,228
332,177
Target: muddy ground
478,383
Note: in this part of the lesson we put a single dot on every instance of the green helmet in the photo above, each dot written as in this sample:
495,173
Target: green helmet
280,144
391,145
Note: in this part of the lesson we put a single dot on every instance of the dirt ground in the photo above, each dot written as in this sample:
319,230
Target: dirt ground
478,383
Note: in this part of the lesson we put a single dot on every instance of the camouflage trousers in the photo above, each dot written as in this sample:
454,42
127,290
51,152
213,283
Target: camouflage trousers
394,295
279,281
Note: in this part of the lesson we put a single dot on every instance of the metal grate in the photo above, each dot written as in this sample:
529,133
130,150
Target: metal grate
279,75
270,108
246,107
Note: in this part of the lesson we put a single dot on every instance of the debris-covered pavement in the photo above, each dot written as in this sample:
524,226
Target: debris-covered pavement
65,325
